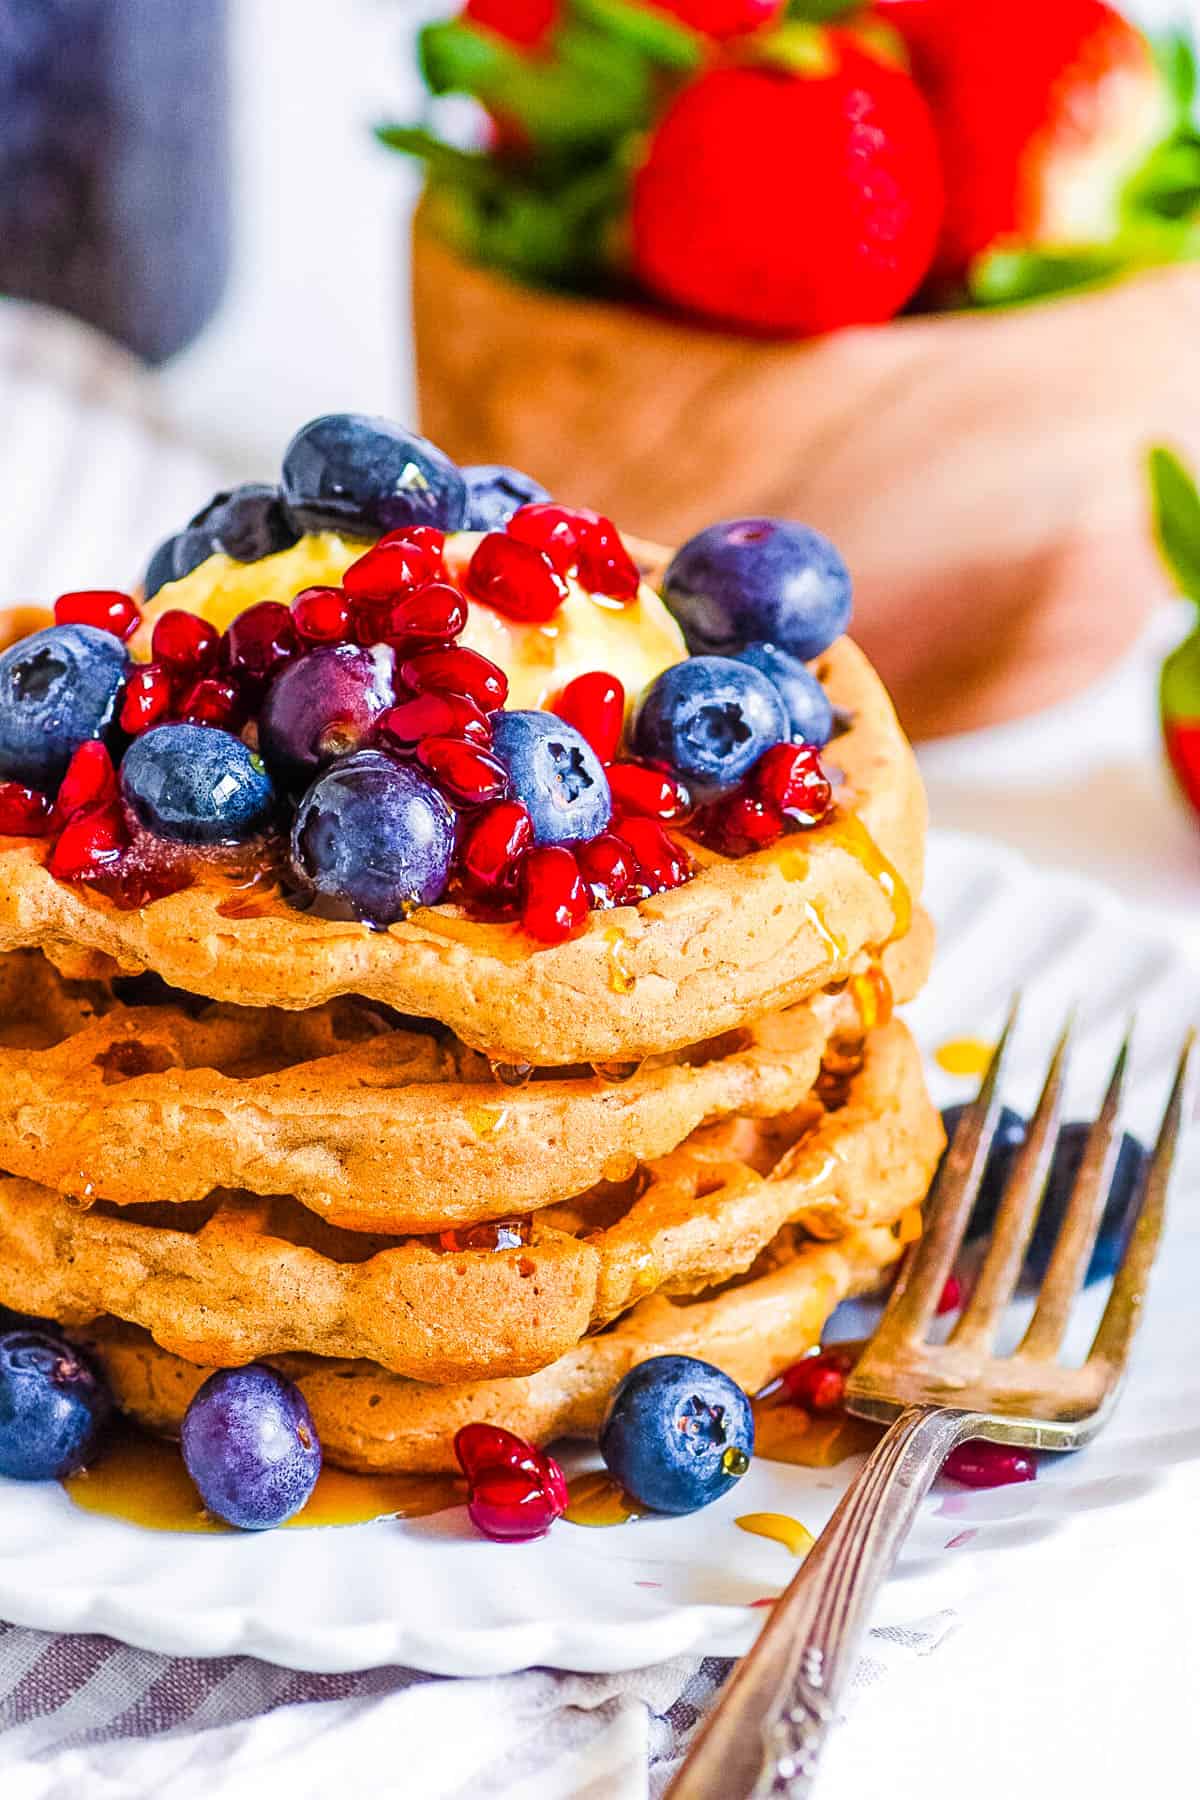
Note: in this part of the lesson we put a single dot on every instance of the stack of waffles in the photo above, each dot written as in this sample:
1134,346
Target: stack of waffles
442,1173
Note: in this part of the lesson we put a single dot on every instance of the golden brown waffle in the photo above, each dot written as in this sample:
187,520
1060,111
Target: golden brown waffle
744,938
368,1419
373,1124
259,1277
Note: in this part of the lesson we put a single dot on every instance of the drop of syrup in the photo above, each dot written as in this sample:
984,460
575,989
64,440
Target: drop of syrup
781,1528
963,1056
596,1499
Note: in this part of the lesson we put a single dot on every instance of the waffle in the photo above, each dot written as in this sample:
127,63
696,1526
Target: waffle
254,1277
742,939
373,1124
377,1422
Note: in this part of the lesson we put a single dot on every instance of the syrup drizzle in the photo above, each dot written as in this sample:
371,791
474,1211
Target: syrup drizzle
781,1528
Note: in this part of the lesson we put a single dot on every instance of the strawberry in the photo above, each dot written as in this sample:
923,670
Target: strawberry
791,196
722,19
1045,113
526,23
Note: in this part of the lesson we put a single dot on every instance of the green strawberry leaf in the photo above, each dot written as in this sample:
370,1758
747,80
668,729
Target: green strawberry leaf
1015,276
1176,518
1175,53
820,12
1179,683
456,59
797,47
658,36
472,170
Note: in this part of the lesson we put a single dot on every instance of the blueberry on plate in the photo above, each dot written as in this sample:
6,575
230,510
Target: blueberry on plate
759,581
362,476
809,708
678,1434
196,784
321,707
556,775
373,837
709,719
495,493
53,1406
58,689
251,1447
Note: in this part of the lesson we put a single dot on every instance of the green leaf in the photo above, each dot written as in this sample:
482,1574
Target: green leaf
819,12
457,59
1175,53
798,47
556,233
1014,277
658,36
1176,518
449,162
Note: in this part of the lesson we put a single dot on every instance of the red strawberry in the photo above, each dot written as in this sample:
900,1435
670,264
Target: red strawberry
1044,112
721,18
792,200
524,22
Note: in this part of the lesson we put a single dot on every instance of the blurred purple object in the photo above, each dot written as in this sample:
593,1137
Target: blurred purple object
114,163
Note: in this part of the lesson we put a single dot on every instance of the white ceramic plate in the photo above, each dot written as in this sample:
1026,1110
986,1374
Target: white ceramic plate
432,1595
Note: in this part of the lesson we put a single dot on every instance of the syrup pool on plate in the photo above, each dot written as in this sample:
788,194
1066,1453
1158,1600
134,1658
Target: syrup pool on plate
963,1056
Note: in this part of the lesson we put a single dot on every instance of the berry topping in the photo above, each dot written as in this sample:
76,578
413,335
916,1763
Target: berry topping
213,701
90,845
554,900
396,565
709,719
101,607
595,705
58,688
645,793
554,530
147,700
374,837
659,863
323,706
404,726
555,774
809,708
259,642
607,866
186,643
759,580
465,774
90,780
514,1491
360,475
457,671
516,580
321,615
582,543
678,1434
790,778
429,616
251,1447
245,523
818,1383
491,849
195,784
740,824
24,811
53,1406
979,1464
494,493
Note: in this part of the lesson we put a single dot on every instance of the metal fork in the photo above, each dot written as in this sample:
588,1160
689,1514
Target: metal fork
766,1736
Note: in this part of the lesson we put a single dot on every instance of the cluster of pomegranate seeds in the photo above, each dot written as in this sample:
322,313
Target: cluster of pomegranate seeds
457,670
24,811
515,579
103,608
514,1491
818,1383
978,1464
464,772
258,642
577,542
87,814
786,789
406,725
643,793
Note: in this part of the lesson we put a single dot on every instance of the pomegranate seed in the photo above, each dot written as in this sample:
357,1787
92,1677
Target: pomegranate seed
463,771
24,811
741,824
605,565
259,641
457,671
595,705
818,1383
104,608
390,568
952,1295
646,793
554,530
213,701
322,615
790,779
405,725
186,642
660,863
554,901
490,853
979,1464
435,612
147,699
425,542
90,781
369,621
514,1491
515,579
607,866
89,845
482,1448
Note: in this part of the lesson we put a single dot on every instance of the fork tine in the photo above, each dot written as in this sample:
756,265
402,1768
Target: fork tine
1018,1210
917,1292
1080,1224
1122,1314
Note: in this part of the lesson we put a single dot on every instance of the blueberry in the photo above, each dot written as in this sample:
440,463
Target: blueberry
58,689
494,493
678,1434
710,719
251,1447
373,836
246,523
363,476
53,1406
556,775
161,567
321,707
759,580
196,784
809,708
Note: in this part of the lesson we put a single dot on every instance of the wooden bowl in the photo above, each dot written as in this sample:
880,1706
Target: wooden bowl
982,473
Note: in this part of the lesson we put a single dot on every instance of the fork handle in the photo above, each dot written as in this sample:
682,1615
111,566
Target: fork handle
765,1738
